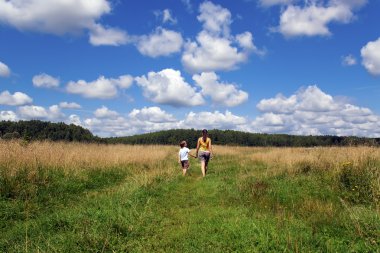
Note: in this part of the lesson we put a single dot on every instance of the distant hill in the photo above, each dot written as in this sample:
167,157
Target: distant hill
42,130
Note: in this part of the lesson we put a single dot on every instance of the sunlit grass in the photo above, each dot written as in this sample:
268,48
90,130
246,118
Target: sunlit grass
71,197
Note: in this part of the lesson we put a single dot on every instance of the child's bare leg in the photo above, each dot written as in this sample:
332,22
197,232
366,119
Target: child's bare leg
184,171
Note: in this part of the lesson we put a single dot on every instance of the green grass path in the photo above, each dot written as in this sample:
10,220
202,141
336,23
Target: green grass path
223,212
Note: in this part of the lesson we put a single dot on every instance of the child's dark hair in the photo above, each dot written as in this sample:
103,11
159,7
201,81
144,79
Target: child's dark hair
182,144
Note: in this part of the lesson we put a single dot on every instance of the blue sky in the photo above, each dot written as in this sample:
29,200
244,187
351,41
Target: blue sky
126,67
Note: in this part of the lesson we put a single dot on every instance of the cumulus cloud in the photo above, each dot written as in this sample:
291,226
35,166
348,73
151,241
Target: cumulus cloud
211,53
104,112
161,42
147,119
39,112
102,36
215,48
213,120
4,70
74,119
313,18
18,98
348,60
102,88
62,17
371,57
151,114
307,111
312,111
169,87
221,93
150,119
56,17
67,105
216,19
45,80
8,116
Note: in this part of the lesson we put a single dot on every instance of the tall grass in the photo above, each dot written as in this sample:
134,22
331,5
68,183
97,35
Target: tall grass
112,198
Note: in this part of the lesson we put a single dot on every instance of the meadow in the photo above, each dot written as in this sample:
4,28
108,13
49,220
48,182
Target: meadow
73,197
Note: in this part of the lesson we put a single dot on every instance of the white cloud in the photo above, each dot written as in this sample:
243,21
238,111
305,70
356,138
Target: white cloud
18,98
279,104
168,87
4,70
311,111
296,114
214,48
104,112
39,112
161,42
348,60
74,119
309,99
8,116
167,17
212,53
67,105
62,17
56,17
123,82
371,57
147,119
152,114
101,36
102,88
45,80
151,119
312,20
213,120
220,93
216,19
33,112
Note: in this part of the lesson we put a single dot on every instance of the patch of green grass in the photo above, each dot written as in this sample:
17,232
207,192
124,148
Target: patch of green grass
234,209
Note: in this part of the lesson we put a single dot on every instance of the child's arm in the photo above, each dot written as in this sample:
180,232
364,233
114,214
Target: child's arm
179,158
192,155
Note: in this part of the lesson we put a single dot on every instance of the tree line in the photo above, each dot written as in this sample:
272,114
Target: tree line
42,130
238,138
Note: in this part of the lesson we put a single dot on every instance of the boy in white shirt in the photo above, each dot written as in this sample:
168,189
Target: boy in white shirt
183,158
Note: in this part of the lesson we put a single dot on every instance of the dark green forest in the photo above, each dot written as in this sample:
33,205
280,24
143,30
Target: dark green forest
230,137
42,130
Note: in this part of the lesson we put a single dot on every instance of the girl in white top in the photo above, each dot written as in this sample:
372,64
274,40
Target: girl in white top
183,157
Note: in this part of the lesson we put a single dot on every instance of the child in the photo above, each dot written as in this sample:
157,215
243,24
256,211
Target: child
183,158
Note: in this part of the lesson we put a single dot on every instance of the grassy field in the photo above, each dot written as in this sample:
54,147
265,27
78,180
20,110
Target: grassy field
57,197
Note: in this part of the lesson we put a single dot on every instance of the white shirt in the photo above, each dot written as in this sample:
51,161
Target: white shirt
183,153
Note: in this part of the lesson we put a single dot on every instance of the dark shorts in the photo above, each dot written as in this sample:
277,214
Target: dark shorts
185,164
204,156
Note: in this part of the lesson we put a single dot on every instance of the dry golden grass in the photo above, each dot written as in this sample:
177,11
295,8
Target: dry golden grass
16,154
71,157
322,158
